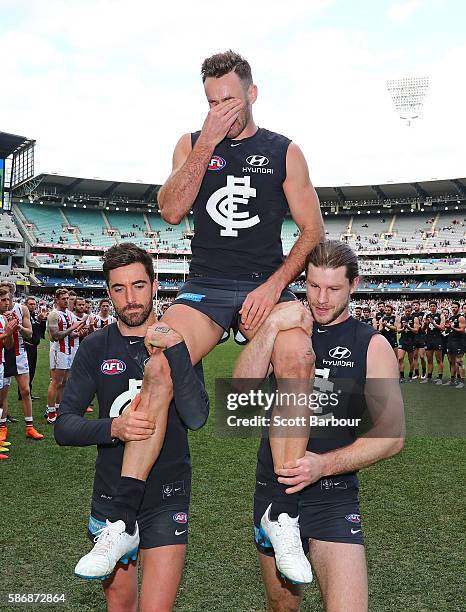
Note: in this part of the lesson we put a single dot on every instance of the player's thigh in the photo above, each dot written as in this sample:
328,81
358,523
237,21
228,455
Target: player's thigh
342,575
59,376
281,596
162,568
23,382
200,333
121,589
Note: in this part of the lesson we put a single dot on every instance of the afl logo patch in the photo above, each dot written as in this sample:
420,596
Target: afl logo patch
180,517
216,163
112,367
353,518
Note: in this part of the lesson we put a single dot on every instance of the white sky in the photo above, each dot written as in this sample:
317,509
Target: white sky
107,87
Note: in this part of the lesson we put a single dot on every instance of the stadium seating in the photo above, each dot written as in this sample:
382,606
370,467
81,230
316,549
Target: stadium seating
130,227
91,227
170,236
8,230
47,224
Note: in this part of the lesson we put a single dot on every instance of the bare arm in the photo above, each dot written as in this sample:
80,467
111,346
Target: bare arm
177,195
305,210
461,324
25,327
6,337
53,327
254,360
385,404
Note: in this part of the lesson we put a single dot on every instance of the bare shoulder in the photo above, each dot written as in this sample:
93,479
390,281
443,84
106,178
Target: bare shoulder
381,360
182,150
52,316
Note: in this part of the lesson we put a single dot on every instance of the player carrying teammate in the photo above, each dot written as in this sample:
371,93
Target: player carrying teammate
326,477
240,181
113,364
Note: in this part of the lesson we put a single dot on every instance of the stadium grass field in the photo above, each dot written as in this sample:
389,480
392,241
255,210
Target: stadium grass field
412,508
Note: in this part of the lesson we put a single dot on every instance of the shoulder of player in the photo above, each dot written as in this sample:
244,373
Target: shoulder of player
381,361
273,136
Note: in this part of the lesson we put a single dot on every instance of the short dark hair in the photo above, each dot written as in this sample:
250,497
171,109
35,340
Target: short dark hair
334,254
432,303
104,301
381,304
416,302
72,292
457,303
222,63
125,254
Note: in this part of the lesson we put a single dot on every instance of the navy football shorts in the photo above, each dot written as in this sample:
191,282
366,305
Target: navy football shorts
433,344
330,513
406,345
162,526
221,299
455,347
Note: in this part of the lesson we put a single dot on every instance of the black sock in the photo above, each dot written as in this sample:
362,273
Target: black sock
126,502
284,503
416,371
402,374
440,376
429,375
410,373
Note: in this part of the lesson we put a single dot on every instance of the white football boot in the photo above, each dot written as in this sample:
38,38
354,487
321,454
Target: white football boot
285,538
112,545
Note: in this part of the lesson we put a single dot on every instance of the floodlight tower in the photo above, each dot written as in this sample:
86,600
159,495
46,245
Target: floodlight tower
408,96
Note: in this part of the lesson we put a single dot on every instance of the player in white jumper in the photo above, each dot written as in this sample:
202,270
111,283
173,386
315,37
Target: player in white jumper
63,332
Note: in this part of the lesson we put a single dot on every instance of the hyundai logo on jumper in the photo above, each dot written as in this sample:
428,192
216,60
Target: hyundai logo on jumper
340,352
257,160
217,163
256,164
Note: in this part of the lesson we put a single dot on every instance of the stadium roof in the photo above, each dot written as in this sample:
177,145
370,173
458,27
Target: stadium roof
70,186
9,143
74,187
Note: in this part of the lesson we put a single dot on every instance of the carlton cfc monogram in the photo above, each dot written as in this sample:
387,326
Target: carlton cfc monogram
222,206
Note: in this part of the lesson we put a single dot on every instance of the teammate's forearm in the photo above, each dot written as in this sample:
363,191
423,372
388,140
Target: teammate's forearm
25,332
189,394
177,195
75,430
360,454
294,263
255,358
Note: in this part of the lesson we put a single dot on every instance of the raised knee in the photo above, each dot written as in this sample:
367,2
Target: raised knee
294,363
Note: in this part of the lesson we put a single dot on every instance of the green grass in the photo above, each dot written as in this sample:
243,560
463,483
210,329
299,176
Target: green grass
412,507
